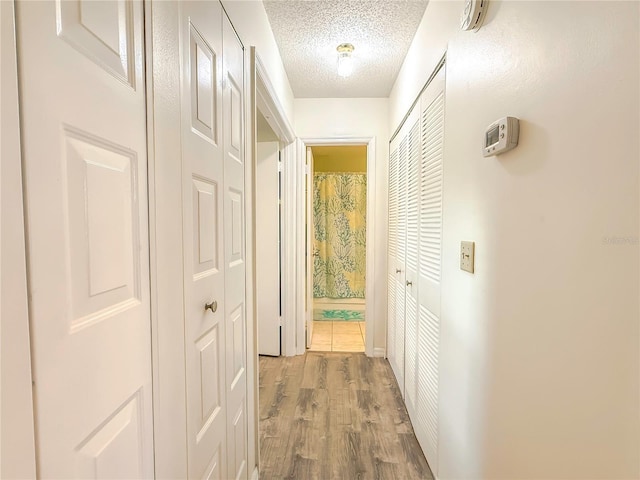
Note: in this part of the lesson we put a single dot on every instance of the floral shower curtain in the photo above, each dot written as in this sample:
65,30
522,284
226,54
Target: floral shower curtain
339,212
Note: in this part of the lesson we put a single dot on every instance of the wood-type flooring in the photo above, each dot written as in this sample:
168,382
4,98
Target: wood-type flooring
335,416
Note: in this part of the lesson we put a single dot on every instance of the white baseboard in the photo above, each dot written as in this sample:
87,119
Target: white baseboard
378,352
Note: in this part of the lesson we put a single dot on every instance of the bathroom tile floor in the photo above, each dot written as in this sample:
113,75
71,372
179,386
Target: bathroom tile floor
337,336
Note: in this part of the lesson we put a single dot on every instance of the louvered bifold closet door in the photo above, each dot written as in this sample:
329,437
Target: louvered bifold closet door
393,252
398,361
412,179
430,260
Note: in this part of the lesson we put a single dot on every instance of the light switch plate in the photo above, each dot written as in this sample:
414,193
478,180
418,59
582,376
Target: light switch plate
467,250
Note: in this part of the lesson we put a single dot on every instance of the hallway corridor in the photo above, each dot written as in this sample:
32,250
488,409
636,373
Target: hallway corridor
335,416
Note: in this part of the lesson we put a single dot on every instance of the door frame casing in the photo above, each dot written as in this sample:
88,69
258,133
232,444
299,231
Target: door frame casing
290,258
370,143
17,438
266,101
260,96
164,150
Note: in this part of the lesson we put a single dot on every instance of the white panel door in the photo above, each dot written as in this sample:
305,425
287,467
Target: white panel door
268,248
234,249
84,133
204,272
430,261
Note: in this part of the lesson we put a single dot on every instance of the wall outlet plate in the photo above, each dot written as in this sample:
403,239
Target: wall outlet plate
467,260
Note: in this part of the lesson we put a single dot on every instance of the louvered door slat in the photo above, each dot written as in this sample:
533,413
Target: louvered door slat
413,192
411,351
402,199
393,203
431,189
414,153
428,381
391,310
395,309
398,364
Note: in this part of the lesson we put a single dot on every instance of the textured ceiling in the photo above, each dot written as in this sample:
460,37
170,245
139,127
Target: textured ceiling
308,32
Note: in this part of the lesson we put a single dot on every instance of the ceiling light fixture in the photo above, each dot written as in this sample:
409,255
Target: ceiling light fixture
345,61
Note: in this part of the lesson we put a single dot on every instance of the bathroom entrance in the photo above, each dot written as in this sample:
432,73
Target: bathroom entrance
336,195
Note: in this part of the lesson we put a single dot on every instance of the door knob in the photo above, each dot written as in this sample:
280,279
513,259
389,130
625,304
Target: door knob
409,283
213,306
398,270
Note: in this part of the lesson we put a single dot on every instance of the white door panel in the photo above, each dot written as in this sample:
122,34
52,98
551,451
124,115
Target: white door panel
84,134
392,267
102,30
430,266
204,279
401,276
429,294
391,310
411,277
395,331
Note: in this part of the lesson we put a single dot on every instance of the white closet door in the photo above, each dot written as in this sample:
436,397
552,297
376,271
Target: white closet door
392,264
234,251
430,260
411,277
204,273
83,111
399,347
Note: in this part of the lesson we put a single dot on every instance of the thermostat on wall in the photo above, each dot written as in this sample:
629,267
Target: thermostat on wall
501,136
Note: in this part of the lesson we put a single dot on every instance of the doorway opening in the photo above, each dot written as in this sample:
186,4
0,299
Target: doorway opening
269,232
336,247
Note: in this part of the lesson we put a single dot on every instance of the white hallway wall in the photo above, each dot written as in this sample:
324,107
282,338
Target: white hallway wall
357,117
539,349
